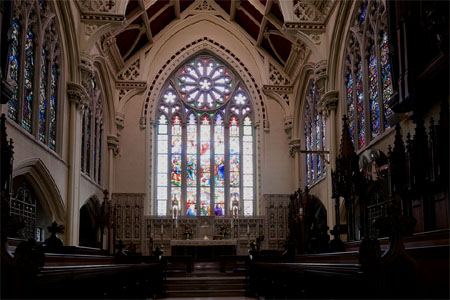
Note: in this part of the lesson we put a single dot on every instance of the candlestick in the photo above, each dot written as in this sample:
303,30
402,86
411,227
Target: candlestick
162,228
248,228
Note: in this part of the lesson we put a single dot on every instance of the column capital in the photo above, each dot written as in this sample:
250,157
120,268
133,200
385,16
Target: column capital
329,102
77,94
113,144
294,147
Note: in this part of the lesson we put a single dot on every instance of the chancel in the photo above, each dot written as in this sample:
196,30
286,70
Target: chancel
224,148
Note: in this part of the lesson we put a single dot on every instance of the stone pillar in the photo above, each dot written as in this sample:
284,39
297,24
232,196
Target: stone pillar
328,105
77,97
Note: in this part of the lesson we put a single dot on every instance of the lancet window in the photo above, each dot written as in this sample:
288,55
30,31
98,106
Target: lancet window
34,70
92,131
204,142
367,76
314,137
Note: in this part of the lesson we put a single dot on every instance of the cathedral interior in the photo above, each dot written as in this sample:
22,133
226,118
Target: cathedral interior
279,149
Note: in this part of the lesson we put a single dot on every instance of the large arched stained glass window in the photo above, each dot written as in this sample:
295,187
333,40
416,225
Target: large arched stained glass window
314,137
204,142
368,75
34,45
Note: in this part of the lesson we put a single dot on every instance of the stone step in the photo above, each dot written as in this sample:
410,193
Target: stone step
181,273
205,293
205,281
200,287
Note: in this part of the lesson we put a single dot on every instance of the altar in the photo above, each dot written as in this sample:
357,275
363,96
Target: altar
203,249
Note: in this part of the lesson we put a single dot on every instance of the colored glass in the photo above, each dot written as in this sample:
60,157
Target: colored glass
14,66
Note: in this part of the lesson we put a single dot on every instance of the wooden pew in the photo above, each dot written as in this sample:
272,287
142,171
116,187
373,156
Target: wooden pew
83,276
339,275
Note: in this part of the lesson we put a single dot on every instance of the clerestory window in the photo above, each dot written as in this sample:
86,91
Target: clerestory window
204,142
368,74
34,70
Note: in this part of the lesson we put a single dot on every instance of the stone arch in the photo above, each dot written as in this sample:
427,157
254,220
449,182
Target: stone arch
42,182
88,223
204,44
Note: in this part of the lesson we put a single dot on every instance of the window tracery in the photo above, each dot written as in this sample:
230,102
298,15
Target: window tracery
92,132
314,137
367,74
204,141
34,26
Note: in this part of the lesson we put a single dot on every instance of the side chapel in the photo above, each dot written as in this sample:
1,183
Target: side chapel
302,146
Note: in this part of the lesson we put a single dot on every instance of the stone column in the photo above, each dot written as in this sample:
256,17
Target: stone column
77,97
328,105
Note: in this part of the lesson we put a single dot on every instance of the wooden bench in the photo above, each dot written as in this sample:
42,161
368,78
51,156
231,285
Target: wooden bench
83,276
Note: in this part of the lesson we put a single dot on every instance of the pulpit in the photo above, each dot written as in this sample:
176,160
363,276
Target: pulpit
203,249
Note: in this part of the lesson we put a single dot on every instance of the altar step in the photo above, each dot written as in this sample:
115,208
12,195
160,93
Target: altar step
205,281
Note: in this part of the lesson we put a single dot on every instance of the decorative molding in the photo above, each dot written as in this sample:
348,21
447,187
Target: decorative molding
277,77
77,94
294,147
288,120
102,18
142,123
317,28
128,85
113,144
120,120
204,7
328,102
132,72
211,45
320,76
278,89
298,56
112,51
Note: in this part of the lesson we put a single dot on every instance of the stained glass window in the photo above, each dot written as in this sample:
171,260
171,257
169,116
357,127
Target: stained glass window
92,132
14,67
52,105
28,103
43,98
211,141
368,75
27,112
314,137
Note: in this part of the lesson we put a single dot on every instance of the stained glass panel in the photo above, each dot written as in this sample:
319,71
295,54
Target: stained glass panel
219,136
162,208
162,163
13,103
43,97
247,164
191,173
248,208
219,201
205,200
219,170
373,95
176,170
28,81
385,77
176,135
360,107
192,135
53,96
191,199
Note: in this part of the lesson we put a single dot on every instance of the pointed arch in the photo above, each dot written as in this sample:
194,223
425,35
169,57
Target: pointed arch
38,175
206,103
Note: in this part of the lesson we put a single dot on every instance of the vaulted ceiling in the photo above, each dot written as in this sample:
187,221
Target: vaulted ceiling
262,20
